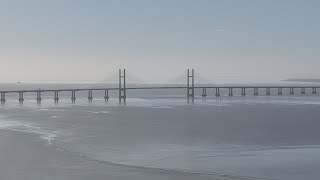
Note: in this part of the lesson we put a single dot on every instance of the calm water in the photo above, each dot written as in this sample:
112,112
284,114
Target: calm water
259,137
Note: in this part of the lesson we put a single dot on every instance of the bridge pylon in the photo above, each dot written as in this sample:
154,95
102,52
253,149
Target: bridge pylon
122,85
190,84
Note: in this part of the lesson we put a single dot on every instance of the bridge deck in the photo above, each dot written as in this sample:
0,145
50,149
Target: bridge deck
159,87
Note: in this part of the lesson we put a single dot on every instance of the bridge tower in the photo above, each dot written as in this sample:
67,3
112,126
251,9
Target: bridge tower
190,85
122,85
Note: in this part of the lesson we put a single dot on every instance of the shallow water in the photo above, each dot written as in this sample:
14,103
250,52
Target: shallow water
259,137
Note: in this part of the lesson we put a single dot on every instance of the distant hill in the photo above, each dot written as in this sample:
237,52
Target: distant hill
302,80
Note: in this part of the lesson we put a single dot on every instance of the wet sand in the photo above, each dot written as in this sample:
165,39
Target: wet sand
26,156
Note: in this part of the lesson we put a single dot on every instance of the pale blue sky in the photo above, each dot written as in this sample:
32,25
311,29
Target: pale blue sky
232,40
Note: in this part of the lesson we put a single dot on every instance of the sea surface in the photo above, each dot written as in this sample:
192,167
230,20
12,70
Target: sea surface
252,137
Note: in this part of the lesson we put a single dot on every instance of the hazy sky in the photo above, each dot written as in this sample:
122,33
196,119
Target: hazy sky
72,40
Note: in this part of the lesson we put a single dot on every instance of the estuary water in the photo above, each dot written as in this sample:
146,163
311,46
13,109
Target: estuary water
252,137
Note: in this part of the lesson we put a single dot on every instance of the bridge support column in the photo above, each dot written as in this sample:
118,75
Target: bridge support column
73,96
56,96
268,92
255,91
38,96
243,92
291,91
217,92
230,92
204,92
122,86
21,99
303,90
190,85
279,91
3,97
106,94
90,97
314,90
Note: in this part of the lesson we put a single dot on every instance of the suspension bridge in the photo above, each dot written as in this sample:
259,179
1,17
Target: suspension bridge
190,87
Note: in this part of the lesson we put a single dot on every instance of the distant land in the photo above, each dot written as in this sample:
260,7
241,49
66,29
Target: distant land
302,80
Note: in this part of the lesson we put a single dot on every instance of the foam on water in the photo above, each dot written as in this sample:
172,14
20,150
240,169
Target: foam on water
45,133
51,109
99,112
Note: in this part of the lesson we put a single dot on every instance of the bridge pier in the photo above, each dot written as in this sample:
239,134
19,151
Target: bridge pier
3,97
56,96
90,97
243,92
217,92
291,91
255,91
204,92
230,92
279,91
73,96
38,96
106,94
314,90
303,90
21,99
268,93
